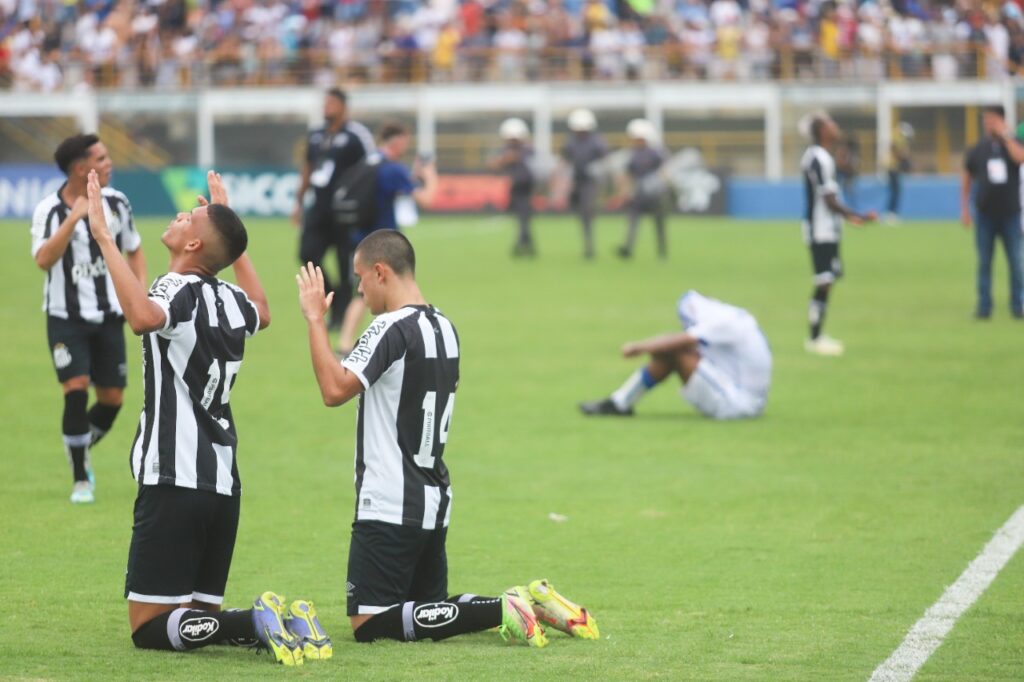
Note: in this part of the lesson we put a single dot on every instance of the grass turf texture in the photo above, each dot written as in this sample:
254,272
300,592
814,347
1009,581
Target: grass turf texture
799,546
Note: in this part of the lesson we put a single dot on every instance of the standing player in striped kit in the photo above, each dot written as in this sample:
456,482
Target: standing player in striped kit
84,322
823,227
194,328
405,368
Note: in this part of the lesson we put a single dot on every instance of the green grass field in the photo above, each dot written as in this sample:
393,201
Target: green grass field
802,545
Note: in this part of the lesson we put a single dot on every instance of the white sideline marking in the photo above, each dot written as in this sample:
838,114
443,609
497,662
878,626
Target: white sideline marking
927,634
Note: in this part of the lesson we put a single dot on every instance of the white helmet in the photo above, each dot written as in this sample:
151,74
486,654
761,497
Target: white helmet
641,129
582,120
513,129
906,130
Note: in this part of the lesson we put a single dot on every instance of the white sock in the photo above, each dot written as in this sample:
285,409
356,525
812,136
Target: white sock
630,392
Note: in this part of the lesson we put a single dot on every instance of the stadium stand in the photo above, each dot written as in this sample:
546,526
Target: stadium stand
49,45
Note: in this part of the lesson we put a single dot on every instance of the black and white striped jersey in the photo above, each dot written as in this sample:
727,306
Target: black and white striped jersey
408,362
186,435
821,223
78,286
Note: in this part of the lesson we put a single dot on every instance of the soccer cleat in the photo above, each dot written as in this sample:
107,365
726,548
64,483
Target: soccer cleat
267,618
301,621
605,407
555,610
81,493
824,345
519,622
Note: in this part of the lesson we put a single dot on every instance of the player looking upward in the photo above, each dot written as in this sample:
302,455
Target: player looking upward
823,227
405,368
84,322
194,328
722,357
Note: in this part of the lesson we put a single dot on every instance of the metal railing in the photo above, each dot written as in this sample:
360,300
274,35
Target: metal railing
225,68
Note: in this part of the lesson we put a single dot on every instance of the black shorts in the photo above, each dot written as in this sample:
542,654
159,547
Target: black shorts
182,542
828,267
86,349
390,564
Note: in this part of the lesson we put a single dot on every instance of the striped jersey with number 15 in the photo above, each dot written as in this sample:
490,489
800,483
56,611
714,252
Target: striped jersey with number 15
186,435
408,362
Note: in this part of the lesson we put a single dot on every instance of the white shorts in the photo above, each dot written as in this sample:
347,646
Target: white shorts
715,395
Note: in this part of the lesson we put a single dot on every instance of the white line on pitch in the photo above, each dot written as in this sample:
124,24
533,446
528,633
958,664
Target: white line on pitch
927,634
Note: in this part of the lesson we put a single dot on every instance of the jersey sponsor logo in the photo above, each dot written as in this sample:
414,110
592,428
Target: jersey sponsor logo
361,353
61,356
350,589
435,615
162,287
97,268
198,629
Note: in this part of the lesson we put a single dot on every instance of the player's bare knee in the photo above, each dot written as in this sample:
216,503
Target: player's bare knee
113,397
76,384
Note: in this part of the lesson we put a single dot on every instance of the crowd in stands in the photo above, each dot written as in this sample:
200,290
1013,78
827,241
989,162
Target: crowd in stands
47,45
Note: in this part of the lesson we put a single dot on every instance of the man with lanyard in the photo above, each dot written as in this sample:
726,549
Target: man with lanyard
990,199
330,151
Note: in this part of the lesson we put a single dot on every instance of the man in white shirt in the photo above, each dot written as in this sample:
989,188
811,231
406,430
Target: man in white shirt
721,355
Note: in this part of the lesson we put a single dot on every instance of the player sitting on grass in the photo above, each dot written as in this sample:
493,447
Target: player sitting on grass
194,327
722,357
405,368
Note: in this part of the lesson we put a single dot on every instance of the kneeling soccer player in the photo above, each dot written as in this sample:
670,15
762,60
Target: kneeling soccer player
194,328
405,369
722,357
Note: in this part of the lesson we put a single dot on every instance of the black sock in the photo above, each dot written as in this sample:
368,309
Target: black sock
101,418
184,629
432,620
76,432
816,311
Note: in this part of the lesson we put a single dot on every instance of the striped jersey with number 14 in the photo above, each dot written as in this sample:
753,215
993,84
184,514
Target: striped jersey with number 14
408,362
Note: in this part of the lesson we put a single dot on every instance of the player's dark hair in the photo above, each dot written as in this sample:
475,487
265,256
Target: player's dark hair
817,127
229,228
392,129
74,148
338,94
390,247
997,109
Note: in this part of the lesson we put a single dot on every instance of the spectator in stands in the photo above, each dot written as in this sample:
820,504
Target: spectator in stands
301,41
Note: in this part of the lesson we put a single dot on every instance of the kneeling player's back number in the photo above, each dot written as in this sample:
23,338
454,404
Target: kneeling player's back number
425,457
231,368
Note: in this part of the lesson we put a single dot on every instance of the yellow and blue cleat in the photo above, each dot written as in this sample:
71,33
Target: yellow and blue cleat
268,618
518,621
301,621
551,608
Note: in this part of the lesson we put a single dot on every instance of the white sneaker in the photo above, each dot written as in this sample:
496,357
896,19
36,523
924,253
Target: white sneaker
82,493
824,345
892,220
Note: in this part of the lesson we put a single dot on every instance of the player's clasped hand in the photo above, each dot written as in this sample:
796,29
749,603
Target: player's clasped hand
312,299
218,193
97,219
